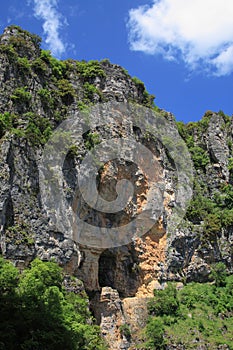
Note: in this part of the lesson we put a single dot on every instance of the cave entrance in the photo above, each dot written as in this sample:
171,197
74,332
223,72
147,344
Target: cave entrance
107,269
118,270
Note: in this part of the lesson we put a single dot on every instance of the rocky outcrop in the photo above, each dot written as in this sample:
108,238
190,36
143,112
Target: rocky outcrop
37,93
112,320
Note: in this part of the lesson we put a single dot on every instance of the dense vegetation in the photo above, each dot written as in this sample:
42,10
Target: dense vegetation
197,314
37,313
212,208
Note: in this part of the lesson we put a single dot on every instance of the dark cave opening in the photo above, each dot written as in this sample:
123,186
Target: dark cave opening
107,269
118,270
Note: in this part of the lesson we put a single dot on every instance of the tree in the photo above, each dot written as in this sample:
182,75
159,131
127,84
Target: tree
155,334
219,274
37,313
165,302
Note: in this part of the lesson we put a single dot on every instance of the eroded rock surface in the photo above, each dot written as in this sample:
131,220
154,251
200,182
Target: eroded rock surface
36,95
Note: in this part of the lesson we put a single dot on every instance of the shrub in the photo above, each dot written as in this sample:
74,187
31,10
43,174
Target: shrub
205,312
91,139
138,83
21,95
58,67
38,313
8,121
89,91
10,51
38,129
200,156
90,70
46,98
219,274
19,234
23,64
39,65
165,302
155,334
125,330
65,91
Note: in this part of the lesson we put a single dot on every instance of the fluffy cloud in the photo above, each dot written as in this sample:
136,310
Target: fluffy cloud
53,21
200,32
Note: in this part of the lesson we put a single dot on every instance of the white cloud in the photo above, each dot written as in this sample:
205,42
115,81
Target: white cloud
53,21
200,32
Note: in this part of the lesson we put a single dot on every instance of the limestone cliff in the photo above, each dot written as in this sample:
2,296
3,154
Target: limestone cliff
37,93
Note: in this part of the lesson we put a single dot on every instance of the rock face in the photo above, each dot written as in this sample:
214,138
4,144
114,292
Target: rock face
37,93
111,316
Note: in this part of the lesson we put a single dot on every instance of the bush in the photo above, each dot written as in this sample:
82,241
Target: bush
38,129
89,91
23,64
21,95
46,98
219,274
90,70
205,311
58,67
155,334
65,91
8,121
39,65
165,302
37,313
125,331
91,140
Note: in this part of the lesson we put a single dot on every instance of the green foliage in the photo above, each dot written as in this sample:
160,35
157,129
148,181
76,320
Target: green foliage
91,140
199,154
65,91
37,313
19,234
9,276
155,334
219,274
83,106
58,67
46,98
21,95
230,164
90,70
181,129
9,51
200,157
89,91
105,61
8,122
213,213
39,65
194,130
147,98
165,302
125,330
38,129
23,64
34,37
205,312
212,224
138,83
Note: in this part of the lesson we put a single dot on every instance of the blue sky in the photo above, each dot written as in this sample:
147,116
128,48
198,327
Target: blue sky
181,49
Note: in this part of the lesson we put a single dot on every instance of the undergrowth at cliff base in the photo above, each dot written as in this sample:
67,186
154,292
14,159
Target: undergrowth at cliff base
196,315
38,313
